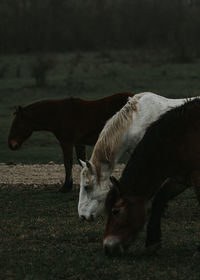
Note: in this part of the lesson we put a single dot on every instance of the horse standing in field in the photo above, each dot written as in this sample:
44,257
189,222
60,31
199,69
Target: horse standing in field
170,147
121,134
73,121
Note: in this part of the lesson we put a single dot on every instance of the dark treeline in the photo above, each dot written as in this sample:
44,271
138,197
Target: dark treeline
60,25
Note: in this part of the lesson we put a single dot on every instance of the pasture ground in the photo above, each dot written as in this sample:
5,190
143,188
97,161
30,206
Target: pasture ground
42,238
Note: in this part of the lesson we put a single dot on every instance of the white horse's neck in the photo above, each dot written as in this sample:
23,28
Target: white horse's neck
108,146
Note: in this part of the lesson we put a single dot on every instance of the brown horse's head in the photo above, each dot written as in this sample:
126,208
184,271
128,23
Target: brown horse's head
126,215
20,129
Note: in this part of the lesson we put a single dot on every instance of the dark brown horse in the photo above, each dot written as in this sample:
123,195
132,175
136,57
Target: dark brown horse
169,149
74,122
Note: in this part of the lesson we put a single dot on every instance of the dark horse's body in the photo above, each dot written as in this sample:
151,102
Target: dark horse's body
169,149
73,121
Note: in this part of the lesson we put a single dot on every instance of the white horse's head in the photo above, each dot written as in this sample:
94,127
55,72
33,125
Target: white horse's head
93,192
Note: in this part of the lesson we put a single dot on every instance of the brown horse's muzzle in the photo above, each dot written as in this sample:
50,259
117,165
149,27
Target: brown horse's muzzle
13,145
112,246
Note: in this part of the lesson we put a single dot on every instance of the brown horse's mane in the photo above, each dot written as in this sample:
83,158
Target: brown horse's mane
48,101
68,100
157,144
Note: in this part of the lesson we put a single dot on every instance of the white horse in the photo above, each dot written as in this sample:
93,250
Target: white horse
120,134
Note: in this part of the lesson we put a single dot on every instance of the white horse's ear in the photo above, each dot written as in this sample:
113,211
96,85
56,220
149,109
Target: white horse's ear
90,167
82,163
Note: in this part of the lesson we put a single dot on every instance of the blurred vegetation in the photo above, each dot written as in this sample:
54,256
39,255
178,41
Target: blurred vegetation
87,75
63,25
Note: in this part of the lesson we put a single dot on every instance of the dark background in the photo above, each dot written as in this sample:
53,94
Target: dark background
68,25
91,49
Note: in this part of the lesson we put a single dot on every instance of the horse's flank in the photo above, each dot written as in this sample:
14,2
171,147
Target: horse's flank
110,138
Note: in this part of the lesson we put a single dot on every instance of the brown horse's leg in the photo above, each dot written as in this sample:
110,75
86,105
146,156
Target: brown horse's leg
67,149
195,177
80,152
170,189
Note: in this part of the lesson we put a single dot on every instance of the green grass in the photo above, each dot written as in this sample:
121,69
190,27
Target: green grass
42,238
89,75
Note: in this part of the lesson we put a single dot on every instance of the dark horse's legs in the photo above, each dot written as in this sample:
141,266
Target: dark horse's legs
195,177
169,190
67,149
80,152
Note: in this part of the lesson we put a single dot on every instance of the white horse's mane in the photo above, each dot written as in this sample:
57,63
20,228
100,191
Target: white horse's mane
110,137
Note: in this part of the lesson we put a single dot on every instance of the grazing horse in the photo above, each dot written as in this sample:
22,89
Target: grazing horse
73,121
169,148
120,134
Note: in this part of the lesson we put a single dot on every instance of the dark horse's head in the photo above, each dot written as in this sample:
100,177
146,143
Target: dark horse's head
126,215
20,129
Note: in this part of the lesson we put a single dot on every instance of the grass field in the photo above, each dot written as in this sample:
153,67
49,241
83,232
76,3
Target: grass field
88,75
42,239
41,236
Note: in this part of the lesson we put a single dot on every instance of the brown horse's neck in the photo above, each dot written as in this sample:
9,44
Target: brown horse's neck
143,180
151,163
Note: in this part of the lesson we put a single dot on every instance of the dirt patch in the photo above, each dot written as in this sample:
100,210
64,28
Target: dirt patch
40,174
